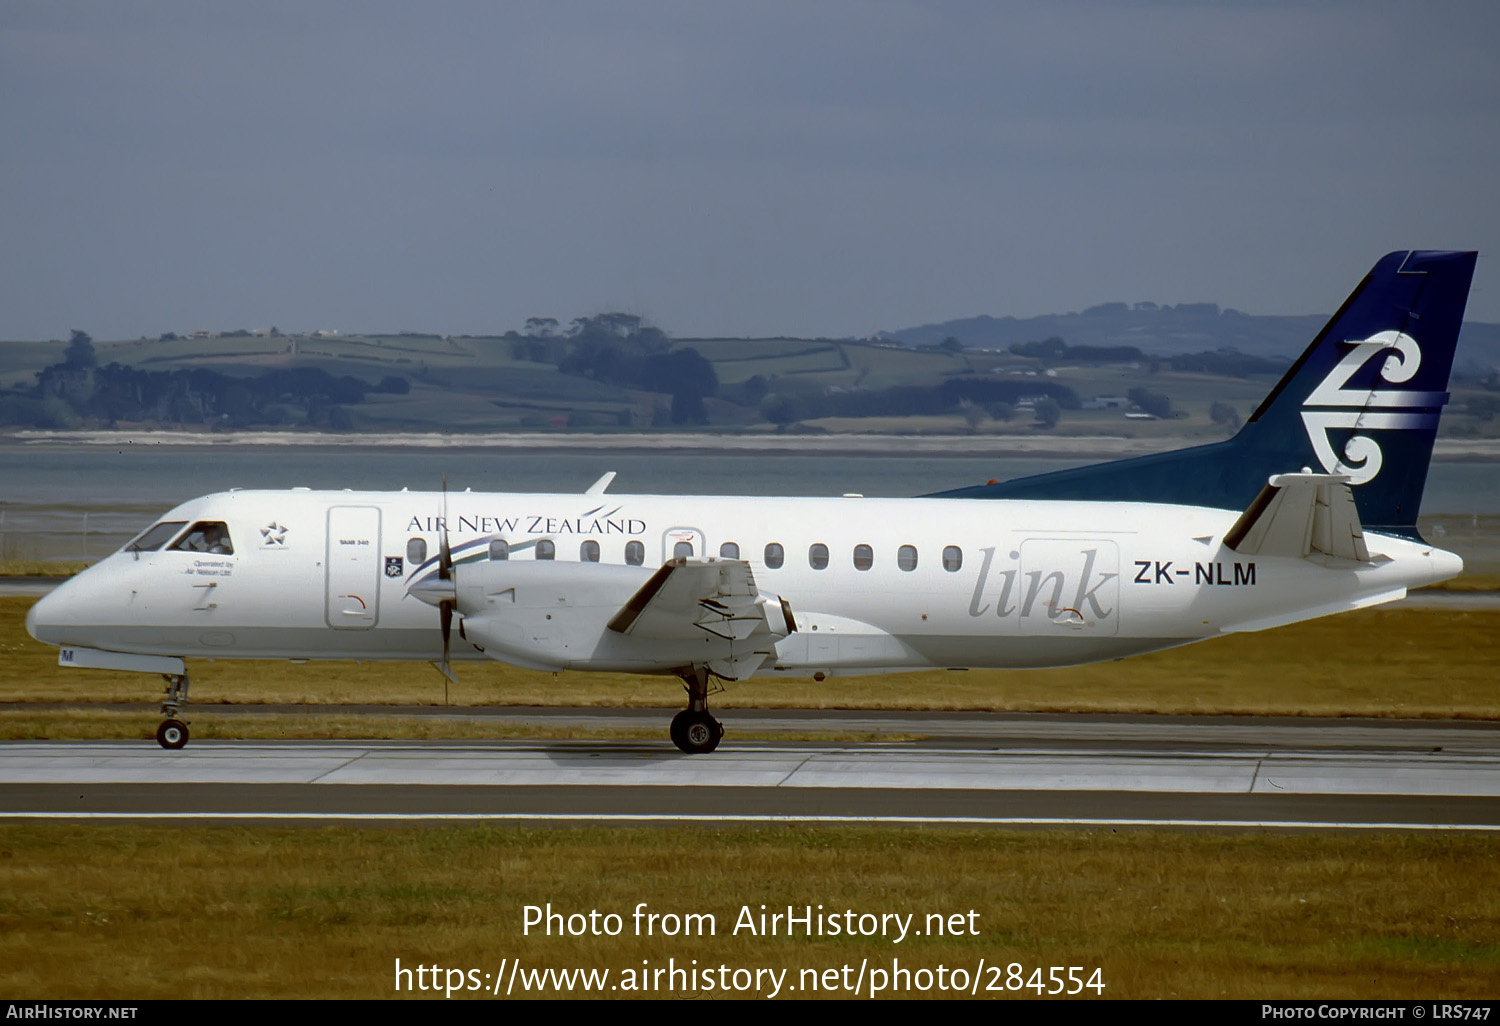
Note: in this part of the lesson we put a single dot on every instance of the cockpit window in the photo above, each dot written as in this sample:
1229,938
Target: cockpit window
155,536
207,536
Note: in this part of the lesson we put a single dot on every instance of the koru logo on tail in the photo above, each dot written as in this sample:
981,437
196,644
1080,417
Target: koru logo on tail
1373,409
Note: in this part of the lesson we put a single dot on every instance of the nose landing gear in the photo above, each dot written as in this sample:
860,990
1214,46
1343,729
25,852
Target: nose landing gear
173,732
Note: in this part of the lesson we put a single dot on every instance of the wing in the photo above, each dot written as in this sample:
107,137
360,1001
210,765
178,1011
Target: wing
687,597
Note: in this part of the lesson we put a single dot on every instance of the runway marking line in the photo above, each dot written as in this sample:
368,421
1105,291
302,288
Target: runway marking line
622,817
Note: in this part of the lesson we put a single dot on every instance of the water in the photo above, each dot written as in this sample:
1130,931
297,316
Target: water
158,478
79,502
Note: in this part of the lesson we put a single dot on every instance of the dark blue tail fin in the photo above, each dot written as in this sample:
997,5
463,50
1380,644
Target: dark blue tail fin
1363,400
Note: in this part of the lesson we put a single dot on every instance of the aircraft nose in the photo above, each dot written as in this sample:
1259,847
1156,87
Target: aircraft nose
37,621
55,618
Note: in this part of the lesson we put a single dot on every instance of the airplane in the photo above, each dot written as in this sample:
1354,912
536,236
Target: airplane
1310,509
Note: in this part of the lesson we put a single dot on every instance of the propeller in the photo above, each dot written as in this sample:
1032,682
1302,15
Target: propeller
445,573
442,592
450,594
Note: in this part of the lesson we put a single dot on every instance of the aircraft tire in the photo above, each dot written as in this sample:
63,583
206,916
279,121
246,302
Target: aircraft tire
699,733
172,734
678,723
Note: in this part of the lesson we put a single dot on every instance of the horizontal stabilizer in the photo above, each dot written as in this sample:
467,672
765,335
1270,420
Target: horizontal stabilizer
1299,514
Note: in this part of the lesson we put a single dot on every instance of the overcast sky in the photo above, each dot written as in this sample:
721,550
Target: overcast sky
755,168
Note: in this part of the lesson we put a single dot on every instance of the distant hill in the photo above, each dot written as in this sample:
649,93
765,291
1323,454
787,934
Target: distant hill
1169,330
1189,371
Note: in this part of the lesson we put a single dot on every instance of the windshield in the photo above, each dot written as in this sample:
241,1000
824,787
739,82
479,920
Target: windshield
155,536
207,536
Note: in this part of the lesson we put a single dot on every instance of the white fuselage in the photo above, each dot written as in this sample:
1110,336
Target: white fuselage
908,583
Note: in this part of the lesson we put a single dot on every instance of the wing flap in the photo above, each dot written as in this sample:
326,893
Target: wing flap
689,597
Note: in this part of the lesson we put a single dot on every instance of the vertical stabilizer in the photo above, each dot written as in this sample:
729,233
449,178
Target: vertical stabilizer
1362,401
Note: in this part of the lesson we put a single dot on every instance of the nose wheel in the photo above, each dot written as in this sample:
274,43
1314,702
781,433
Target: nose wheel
173,732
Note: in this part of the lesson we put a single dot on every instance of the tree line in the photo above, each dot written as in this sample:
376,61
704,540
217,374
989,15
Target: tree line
621,349
78,392
1224,362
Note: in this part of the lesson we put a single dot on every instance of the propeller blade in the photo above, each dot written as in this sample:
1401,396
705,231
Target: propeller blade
445,554
445,594
445,615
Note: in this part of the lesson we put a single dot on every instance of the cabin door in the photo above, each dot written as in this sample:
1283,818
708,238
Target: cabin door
353,568
1069,586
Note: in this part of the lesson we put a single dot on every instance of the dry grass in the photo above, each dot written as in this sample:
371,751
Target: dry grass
1468,582
153,912
1395,662
157,912
85,724
41,568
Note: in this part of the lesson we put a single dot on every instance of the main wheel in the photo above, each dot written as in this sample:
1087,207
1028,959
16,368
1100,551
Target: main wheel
172,734
696,733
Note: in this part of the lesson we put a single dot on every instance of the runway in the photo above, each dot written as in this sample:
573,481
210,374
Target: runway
969,769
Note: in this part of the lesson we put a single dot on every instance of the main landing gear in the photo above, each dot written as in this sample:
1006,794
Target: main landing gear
173,733
693,730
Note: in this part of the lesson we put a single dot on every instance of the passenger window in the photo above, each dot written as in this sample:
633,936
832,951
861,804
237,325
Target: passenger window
953,558
207,536
635,553
155,536
775,556
546,550
729,550
682,550
864,557
499,549
906,557
589,552
416,550
817,556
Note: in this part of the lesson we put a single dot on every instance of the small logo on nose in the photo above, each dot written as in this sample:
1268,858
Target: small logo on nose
274,534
